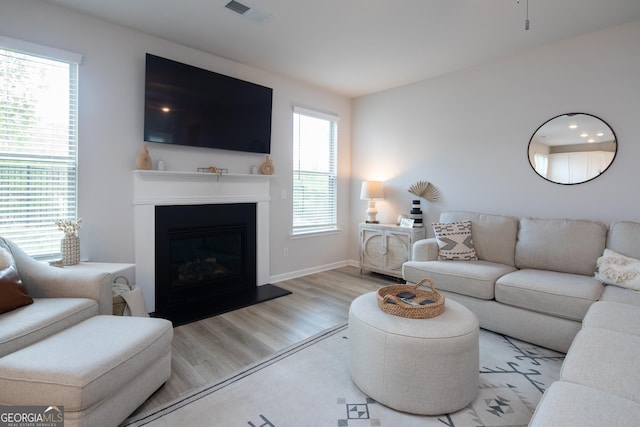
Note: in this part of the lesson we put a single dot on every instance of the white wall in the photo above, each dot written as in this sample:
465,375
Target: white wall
468,133
110,132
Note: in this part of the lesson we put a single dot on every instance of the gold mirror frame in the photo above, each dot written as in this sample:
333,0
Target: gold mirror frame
572,148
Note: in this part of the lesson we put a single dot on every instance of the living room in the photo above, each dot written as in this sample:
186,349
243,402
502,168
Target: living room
466,131
449,130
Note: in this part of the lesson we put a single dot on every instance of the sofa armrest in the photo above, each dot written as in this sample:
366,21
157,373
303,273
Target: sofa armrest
45,281
425,250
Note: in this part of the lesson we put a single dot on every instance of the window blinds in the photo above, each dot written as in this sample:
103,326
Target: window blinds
38,141
314,171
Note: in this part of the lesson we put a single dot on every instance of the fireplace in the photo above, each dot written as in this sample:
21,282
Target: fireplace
175,193
205,256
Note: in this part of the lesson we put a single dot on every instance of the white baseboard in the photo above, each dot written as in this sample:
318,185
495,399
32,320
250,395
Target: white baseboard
299,273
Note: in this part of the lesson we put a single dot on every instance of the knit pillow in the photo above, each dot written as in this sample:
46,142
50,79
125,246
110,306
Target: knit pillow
13,294
619,270
454,241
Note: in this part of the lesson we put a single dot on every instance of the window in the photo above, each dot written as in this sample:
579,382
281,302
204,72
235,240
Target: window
38,139
314,171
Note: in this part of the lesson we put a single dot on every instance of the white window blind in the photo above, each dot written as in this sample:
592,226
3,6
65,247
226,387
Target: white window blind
38,140
315,137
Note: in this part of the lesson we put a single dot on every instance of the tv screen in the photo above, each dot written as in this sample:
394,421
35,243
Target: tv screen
186,105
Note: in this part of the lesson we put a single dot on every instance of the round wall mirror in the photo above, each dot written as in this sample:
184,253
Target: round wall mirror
572,148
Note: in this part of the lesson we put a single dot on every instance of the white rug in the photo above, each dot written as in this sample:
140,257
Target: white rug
309,385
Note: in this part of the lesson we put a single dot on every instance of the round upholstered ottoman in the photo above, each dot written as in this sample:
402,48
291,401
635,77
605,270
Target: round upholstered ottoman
421,366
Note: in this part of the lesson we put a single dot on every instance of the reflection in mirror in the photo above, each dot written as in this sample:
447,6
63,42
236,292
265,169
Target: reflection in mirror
572,148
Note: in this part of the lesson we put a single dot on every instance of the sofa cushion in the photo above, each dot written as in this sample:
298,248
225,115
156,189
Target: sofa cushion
454,241
621,295
564,245
613,315
549,292
46,316
620,270
472,278
567,404
623,238
494,236
605,360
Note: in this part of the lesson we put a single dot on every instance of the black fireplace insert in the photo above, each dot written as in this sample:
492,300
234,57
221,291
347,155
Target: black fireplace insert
206,260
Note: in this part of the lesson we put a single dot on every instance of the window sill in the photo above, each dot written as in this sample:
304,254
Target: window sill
314,233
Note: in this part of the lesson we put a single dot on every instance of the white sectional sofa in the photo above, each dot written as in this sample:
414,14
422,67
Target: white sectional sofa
60,345
535,279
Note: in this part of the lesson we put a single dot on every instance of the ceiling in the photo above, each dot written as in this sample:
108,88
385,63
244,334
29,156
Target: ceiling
357,47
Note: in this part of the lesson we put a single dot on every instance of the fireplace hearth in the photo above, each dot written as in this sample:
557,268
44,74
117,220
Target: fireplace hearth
205,261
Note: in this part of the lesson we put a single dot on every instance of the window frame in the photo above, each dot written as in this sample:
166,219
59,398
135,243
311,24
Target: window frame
331,226
38,235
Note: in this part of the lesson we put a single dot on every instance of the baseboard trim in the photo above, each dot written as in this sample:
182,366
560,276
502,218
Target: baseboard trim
318,269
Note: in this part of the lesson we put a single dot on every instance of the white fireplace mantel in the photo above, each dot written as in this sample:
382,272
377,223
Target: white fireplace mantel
165,188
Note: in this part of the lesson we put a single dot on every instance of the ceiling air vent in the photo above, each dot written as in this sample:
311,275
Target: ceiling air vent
247,12
237,7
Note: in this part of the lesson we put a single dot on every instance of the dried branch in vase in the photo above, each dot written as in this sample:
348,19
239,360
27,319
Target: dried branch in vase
425,190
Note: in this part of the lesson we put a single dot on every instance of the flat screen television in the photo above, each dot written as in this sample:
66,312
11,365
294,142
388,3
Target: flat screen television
186,105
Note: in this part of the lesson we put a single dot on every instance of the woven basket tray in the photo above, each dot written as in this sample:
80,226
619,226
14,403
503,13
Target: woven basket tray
389,302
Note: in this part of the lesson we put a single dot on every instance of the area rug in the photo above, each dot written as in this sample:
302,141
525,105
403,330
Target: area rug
309,385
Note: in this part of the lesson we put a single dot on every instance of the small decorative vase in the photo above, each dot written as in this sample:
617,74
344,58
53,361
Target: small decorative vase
143,160
267,167
70,249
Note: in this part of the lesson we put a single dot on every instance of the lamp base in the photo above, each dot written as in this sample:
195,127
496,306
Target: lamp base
371,213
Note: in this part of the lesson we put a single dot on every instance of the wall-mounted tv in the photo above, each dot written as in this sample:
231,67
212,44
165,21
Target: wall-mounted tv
186,105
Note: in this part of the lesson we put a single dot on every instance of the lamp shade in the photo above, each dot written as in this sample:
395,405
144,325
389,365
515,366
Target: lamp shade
371,190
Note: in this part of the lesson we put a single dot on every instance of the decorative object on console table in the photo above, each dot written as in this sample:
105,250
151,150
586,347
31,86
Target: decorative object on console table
267,167
143,160
371,191
70,243
416,213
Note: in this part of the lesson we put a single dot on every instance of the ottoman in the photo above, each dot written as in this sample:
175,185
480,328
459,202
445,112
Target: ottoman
420,366
100,370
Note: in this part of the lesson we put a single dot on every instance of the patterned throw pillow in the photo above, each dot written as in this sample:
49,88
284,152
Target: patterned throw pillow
454,241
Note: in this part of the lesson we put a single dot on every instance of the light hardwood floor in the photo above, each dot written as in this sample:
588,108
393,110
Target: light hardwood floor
210,349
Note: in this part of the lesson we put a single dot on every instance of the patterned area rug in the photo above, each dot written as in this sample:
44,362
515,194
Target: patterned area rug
309,385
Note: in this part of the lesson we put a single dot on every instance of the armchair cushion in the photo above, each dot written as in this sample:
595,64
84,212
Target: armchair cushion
45,317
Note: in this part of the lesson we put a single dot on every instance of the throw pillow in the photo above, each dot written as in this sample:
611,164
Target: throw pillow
13,294
619,270
454,241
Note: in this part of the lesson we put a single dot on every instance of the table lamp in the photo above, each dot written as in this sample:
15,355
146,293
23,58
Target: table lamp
371,191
